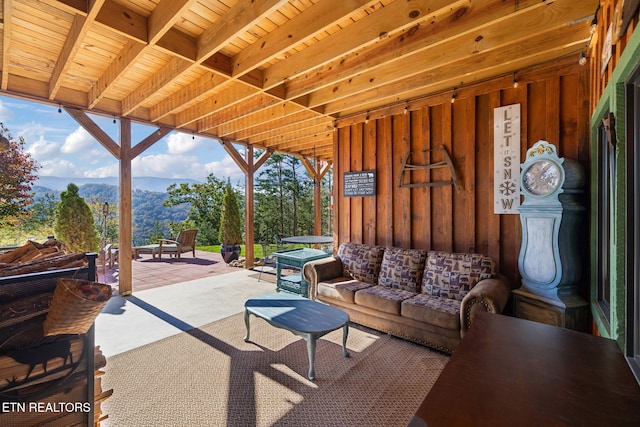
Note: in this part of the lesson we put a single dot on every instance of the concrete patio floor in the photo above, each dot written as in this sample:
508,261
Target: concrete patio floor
171,296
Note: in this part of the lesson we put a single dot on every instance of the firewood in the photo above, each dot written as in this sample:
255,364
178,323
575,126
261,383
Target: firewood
19,253
56,262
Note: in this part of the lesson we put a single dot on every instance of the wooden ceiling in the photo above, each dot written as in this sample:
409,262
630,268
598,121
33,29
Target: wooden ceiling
277,74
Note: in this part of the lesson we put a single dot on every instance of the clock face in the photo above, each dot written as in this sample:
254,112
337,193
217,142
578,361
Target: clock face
542,178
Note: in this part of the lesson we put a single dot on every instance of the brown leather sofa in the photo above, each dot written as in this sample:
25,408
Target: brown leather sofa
429,297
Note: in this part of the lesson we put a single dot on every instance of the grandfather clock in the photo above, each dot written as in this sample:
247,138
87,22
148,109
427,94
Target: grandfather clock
549,261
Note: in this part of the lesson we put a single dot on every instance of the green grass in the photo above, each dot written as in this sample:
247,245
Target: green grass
257,249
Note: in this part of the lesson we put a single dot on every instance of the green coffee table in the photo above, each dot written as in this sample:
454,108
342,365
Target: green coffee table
308,319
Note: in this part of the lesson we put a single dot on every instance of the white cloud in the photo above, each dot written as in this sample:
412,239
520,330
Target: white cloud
5,113
82,144
225,168
103,172
43,149
59,167
167,165
181,143
77,142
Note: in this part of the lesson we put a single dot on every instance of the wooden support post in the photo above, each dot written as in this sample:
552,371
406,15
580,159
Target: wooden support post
249,209
248,166
316,172
317,200
125,240
125,153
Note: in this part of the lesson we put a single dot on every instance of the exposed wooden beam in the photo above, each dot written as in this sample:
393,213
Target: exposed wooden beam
324,169
95,131
167,75
235,155
307,24
164,16
76,36
513,30
382,23
6,41
146,143
485,66
123,62
124,21
274,113
292,123
229,114
263,158
463,19
311,170
231,94
201,89
238,19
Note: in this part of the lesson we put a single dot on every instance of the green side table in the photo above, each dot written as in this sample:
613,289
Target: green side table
295,259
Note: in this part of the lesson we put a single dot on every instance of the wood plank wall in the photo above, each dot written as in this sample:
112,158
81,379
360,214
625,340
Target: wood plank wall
554,102
605,18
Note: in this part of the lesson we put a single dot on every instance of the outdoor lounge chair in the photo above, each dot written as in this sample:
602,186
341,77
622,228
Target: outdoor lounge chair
185,242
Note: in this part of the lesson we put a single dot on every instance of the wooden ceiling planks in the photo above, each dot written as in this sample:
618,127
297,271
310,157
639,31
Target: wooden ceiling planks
278,74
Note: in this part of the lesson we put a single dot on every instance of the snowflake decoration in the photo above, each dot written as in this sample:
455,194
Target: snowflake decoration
507,188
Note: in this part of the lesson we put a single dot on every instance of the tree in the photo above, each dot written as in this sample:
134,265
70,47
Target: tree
230,227
17,176
205,212
74,224
284,198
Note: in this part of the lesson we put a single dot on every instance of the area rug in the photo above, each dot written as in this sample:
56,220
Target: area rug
265,277
210,377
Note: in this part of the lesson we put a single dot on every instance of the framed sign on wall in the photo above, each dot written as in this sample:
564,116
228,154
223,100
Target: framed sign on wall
506,159
359,184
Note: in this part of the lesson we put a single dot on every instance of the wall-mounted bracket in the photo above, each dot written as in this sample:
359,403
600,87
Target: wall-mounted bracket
446,163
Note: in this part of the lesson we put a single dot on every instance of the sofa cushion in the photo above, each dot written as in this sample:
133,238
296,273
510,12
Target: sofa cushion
360,261
382,298
341,288
438,311
402,269
453,275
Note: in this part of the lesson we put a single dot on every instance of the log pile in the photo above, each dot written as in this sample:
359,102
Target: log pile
34,257
30,361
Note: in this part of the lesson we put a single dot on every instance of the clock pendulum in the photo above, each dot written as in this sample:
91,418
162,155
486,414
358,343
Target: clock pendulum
549,260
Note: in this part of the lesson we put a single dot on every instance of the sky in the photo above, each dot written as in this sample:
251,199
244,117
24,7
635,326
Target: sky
63,148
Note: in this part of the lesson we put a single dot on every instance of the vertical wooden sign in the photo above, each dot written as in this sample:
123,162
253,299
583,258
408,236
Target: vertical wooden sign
506,159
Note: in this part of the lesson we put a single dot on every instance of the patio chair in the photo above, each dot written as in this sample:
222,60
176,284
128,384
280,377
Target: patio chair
110,255
185,242
279,243
267,260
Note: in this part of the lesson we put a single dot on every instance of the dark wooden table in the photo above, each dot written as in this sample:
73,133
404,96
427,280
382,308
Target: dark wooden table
308,240
515,372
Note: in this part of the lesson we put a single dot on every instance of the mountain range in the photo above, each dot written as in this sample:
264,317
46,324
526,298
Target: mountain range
149,215
144,183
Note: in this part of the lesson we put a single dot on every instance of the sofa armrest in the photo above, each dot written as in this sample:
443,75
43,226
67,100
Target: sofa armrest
321,270
489,295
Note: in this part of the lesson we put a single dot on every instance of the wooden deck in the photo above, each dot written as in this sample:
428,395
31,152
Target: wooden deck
151,273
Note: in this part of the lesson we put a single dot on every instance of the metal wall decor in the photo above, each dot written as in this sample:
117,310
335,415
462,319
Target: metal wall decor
446,163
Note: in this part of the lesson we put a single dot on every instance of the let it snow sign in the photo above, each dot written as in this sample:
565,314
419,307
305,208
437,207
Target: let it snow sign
506,159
